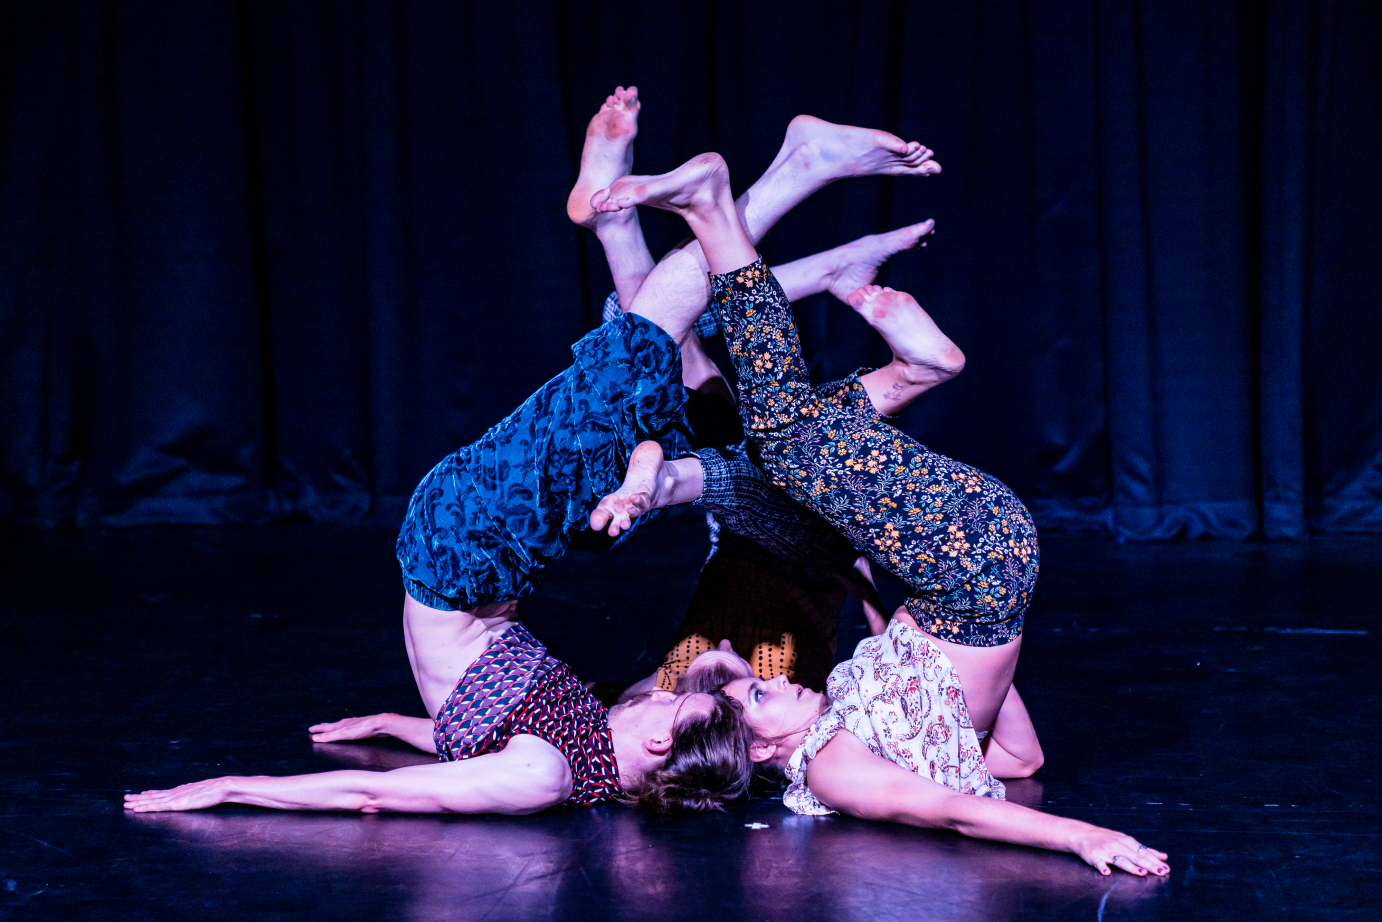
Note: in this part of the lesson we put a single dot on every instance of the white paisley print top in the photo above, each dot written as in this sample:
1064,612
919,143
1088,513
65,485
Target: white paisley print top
900,695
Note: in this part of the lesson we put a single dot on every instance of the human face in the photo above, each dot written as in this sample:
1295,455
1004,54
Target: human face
657,713
776,709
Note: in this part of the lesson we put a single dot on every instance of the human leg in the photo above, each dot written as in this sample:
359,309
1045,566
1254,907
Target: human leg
607,155
814,154
958,537
844,269
923,356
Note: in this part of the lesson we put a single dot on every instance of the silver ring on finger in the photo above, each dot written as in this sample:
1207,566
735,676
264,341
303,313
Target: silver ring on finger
1141,849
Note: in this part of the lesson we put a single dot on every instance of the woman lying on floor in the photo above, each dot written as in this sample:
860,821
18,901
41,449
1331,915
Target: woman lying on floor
897,743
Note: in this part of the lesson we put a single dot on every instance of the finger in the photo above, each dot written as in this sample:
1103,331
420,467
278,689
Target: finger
1150,862
1151,859
1128,865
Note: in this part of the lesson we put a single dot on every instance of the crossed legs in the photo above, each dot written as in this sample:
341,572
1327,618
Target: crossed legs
871,481
814,154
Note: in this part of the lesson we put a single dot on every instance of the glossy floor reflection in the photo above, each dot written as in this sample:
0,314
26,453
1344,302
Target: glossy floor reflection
1217,700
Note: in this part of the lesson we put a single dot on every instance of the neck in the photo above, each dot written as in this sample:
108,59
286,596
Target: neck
628,756
788,745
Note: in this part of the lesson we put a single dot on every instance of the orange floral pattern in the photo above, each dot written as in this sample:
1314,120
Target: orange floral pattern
961,539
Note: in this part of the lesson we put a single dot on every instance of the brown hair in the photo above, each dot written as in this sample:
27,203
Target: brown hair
707,679
707,766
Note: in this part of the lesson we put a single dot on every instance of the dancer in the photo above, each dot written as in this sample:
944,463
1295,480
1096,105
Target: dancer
516,730
899,742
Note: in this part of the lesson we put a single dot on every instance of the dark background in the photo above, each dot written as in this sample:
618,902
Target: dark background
267,260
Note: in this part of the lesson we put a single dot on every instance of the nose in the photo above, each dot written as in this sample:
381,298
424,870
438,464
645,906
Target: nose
781,681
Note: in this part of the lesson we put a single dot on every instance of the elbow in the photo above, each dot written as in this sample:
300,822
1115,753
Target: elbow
541,785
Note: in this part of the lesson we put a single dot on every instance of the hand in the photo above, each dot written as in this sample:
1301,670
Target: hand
195,796
1103,849
351,728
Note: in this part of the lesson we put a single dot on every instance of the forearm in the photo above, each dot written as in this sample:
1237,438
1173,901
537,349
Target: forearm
912,804
415,731
339,790
1000,821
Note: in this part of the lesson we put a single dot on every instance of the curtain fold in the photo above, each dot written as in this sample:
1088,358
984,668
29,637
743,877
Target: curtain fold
262,261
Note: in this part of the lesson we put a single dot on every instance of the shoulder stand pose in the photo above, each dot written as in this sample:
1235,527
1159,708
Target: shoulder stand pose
898,743
514,728
778,573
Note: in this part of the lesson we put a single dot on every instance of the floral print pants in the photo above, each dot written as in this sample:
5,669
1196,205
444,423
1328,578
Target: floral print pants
960,539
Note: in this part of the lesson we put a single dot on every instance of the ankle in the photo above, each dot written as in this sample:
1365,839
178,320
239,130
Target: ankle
679,481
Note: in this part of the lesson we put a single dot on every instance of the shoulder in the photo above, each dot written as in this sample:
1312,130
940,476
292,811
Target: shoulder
538,766
835,770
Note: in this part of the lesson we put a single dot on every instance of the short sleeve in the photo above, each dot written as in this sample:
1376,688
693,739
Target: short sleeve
798,797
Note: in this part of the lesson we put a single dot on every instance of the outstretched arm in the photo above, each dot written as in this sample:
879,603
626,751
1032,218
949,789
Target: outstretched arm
528,775
846,776
415,731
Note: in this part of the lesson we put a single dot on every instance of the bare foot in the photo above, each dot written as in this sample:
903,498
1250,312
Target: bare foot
638,495
698,189
831,152
651,483
607,155
859,260
909,331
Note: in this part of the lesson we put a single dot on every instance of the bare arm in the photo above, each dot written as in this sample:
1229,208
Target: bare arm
415,731
847,777
1012,749
528,775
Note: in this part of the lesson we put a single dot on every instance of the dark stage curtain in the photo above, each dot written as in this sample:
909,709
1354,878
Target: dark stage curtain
263,260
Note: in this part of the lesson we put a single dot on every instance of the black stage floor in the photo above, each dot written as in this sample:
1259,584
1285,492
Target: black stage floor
1217,700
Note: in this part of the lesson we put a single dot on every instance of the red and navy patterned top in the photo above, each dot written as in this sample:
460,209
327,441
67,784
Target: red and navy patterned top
515,687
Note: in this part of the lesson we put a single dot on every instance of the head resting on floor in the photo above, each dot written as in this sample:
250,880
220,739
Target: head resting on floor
779,713
689,752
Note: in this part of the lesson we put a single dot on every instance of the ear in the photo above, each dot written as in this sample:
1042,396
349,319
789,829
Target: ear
657,746
762,752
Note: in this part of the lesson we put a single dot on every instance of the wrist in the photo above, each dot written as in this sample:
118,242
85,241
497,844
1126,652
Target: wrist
229,788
